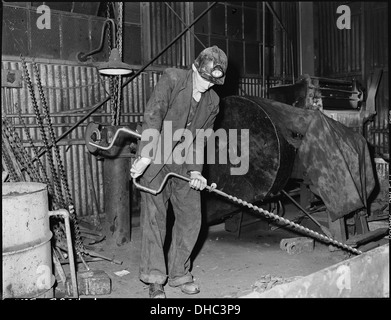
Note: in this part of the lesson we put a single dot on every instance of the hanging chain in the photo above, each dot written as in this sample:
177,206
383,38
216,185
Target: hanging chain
7,162
45,178
64,181
45,108
56,195
112,80
119,78
12,146
119,29
109,26
114,99
19,151
9,158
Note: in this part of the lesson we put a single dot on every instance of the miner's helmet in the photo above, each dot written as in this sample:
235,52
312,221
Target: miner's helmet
212,64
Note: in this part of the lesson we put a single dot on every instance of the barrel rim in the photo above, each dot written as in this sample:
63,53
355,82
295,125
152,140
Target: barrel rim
27,246
43,188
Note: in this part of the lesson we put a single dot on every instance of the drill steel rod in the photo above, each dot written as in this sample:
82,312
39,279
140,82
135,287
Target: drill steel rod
323,228
212,188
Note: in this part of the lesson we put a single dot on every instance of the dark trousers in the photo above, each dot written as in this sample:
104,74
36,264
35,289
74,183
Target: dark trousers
186,203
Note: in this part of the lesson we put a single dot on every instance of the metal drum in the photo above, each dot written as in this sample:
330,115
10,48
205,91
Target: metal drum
27,256
270,157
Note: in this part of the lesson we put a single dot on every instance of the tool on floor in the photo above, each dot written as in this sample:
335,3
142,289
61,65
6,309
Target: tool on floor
90,283
325,230
297,245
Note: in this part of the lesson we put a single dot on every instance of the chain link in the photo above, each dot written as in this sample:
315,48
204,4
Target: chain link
109,26
7,161
57,201
113,100
18,150
45,107
119,29
119,78
64,182
45,178
112,80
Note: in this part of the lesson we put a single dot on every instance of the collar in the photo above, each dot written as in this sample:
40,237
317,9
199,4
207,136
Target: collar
210,95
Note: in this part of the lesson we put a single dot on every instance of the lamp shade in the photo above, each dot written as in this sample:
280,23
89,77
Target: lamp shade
114,66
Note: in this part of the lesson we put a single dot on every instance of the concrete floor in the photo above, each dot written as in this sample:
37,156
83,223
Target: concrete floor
224,265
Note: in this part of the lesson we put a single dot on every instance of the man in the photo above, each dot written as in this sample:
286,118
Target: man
182,99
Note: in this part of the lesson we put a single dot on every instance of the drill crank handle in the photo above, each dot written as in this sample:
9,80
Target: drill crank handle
129,131
211,188
155,192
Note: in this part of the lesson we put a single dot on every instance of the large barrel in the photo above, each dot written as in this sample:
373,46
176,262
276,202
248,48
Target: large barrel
269,156
27,256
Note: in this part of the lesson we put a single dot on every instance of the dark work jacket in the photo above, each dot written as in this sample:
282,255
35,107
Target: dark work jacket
170,102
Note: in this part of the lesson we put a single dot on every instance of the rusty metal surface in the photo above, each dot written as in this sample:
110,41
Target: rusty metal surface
270,156
364,276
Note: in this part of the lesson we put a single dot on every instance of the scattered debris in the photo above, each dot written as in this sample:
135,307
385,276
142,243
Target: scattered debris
297,245
121,273
268,281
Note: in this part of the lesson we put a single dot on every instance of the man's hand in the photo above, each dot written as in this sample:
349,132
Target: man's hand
138,167
197,181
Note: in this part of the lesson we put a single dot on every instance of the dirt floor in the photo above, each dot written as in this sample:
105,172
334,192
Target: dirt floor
225,265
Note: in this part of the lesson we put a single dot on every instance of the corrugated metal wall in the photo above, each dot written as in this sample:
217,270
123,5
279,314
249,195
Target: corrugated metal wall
167,20
376,56
356,53
68,88
285,61
340,51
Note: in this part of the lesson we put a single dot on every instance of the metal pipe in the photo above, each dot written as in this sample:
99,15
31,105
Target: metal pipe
99,104
65,214
83,56
130,131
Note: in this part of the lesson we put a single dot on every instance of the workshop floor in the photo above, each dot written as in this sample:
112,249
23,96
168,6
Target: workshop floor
224,265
